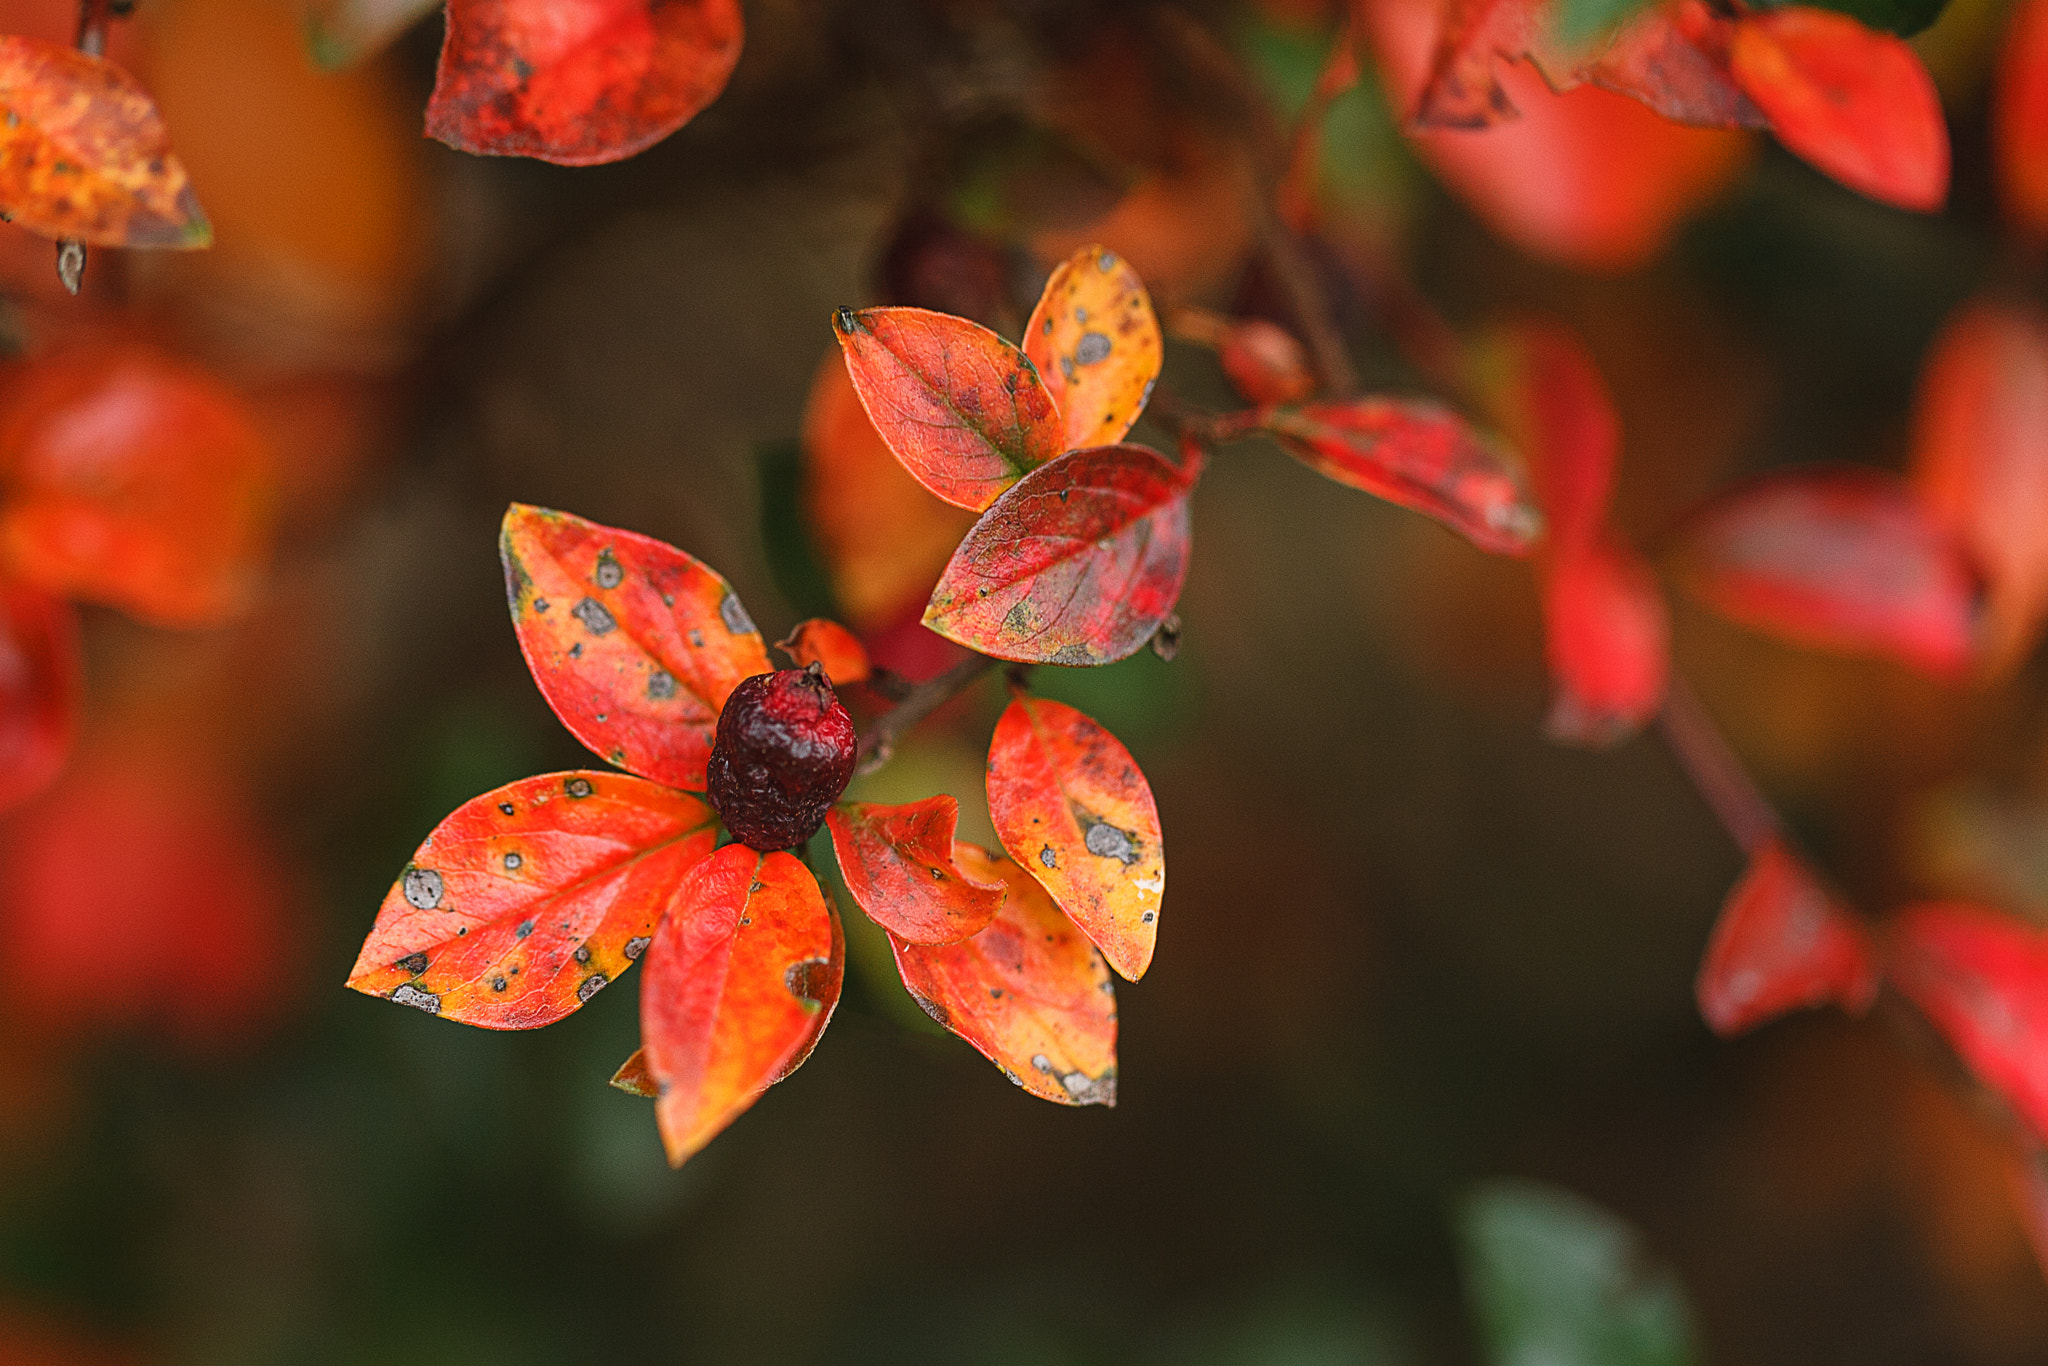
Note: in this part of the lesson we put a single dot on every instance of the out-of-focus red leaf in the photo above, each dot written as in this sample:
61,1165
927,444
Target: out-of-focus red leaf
132,479
1419,455
965,411
1781,944
1077,564
1071,806
1265,363
832,647
1029,991
578,82
1982,978
1980,463
1607,640
742,974
41,681
1554,406
529,900
1840,559
898,863
1857,104
635,644
84,153
1096,344
2019,121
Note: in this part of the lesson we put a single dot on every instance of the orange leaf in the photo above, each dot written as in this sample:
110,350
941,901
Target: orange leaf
529,900
41,683
1028,991
2019,121
84,153
632,1076
819,641
898,863
1979,463
135,480
1078,563
1607,639
1418,455
1781,943
1982,978
1096,344
965,411
743,973
1072,808
635,644
1856,104
578,82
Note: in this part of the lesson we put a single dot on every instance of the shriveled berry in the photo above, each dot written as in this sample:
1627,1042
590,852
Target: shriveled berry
784,753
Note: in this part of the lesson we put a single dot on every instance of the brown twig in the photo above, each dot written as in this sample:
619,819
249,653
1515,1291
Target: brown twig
1701,751
878,742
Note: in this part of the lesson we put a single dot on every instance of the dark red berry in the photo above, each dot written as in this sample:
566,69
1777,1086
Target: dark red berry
784,753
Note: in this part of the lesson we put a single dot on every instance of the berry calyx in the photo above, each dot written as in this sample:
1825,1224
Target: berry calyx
784,752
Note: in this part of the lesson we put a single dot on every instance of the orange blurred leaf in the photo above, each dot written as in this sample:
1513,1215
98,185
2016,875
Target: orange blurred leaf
2019,121
965,411
578,82
1264,362
529,900
635,644
1078,563
1982,978
134,480
1071,806
41,687
1837,559
1096,344
1029,992
1780,944
898,863
84,153
827,643
1607,640
742,974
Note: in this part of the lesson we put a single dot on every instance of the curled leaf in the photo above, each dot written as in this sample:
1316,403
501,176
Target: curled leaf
632,1076
828,644
1028,991
41,683
1982,978
1096,344
1781,944
743,971
529,900
1071,806
898,863
635,644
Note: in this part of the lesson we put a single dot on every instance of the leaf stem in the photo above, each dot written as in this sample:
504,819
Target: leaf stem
878,742
1701,751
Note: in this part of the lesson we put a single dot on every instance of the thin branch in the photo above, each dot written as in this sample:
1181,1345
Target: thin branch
1697,744
878,742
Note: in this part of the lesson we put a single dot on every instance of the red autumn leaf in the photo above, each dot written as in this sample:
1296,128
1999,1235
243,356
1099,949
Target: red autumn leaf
634,643
965,411
1077,564
743,973
1029,991
1419,455
1265,363
828,644
41,682
578,82
1855,103
1553,405
1982,978
1782,944
135,480
1071,806
1673,58
529,900
1096,344
898,863
84,153
2019,121
1979,463
1607,639
1462,90
1840,559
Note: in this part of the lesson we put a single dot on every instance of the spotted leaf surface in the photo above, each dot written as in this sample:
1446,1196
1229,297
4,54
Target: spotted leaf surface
135,480
41,682
1781,944
529,900
1982,978
898,863
578,82
742,975
84,153
830,646
1078,564
1838,560
1096,343
1418,455
965,411
635,644
1071,806
1029,991
1607,641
